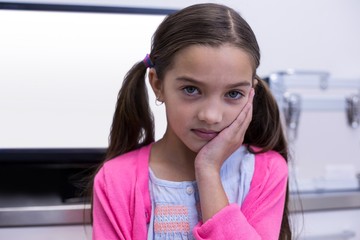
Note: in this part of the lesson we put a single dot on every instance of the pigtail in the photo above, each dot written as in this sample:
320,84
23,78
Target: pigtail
266,131
133,124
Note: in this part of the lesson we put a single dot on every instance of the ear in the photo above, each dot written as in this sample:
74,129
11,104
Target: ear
156,84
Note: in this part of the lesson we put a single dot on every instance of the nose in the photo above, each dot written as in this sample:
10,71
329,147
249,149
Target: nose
210,112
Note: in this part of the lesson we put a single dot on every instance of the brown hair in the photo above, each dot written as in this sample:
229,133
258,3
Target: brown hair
202,24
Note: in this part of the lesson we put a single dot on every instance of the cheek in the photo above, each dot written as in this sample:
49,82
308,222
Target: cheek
233,112
178,111
231,117
173,112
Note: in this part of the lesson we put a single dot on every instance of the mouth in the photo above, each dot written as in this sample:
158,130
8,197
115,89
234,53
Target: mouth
205,134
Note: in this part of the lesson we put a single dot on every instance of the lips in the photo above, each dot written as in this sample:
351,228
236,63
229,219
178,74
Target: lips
205,134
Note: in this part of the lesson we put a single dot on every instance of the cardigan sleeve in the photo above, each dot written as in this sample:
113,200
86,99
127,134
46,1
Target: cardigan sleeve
260,215
121,198
106,224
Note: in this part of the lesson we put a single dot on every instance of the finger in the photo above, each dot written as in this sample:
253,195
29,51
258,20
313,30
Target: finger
250,99
250,103
246,112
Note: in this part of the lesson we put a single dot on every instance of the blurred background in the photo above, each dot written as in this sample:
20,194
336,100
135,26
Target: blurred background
63,62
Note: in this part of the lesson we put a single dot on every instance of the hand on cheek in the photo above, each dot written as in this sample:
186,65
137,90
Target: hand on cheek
215,152
211,157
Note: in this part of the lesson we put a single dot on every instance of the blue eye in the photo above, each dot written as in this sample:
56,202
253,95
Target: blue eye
190,90
234,94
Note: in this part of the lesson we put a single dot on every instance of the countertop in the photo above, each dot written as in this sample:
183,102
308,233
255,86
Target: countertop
324,201
66,214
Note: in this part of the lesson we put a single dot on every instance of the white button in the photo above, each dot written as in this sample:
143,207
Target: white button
189,190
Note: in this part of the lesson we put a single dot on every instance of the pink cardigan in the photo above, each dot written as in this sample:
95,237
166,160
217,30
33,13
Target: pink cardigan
122,206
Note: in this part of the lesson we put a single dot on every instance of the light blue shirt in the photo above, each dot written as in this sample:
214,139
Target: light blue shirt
176,206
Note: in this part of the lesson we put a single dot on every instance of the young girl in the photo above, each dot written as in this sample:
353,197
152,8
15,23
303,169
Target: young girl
219,171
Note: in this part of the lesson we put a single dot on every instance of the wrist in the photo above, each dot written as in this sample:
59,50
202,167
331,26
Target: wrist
207,172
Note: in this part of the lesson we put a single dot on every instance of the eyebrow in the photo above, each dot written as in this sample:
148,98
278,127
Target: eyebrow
194,81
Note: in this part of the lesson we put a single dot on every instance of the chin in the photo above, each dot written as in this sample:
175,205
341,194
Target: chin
195,147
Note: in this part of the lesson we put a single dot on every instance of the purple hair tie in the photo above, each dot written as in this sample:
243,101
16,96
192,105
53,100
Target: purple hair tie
147,61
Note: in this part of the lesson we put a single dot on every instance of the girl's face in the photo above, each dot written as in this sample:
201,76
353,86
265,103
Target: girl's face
204,91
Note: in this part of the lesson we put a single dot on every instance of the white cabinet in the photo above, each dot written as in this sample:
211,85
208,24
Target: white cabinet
327,225
73,232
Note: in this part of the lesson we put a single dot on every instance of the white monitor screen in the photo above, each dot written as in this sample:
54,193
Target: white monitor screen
60,73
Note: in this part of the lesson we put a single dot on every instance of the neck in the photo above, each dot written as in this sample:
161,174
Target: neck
172,160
